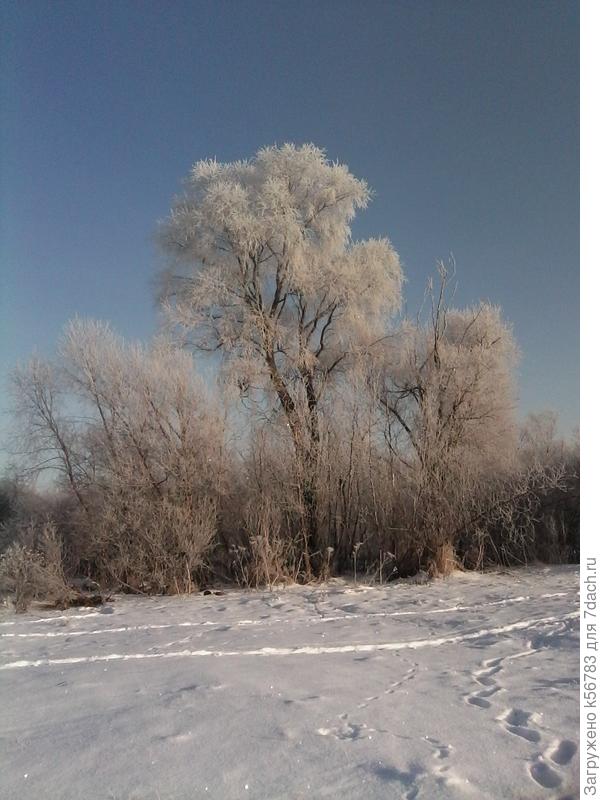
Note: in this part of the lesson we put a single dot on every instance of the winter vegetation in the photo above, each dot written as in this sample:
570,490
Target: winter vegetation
335,435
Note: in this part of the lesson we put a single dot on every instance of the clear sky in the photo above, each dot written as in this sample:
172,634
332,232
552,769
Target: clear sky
462,116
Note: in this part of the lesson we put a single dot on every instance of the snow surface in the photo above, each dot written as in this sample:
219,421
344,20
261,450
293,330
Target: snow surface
462,688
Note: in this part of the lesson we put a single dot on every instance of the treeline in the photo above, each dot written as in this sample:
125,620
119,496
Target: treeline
418,465
334,439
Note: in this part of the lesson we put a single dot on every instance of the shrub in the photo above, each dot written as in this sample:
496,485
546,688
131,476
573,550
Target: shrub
33,568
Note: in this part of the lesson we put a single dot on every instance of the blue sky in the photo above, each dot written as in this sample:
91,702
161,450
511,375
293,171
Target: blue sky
462,116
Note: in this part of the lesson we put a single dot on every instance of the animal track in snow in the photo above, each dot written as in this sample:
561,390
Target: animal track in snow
392,688
444,773
347,730
354,730
409,781
442,750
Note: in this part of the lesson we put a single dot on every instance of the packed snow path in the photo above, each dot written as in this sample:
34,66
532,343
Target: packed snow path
463,688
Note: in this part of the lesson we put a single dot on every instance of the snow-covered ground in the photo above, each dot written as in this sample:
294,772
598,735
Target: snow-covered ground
462,688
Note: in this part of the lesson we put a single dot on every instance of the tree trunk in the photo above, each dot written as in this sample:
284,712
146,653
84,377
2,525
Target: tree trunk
306,457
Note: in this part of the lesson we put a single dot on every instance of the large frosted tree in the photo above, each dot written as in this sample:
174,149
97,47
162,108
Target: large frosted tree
263,268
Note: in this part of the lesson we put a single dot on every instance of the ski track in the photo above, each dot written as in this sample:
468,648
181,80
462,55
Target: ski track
255,622
302,650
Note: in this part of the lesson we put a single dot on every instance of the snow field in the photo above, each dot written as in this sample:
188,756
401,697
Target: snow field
463,688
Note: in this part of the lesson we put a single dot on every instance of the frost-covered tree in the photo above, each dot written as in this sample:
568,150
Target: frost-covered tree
132,433
447,389
449,383
264,269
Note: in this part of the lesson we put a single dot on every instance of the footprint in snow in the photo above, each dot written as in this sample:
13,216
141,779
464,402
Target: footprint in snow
563,752
544,775
516,721
485,677
480,702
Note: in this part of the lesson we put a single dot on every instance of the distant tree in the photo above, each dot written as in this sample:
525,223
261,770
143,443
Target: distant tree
263,268
539,440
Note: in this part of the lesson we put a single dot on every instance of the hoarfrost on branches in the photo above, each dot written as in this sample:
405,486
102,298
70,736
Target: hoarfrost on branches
263,267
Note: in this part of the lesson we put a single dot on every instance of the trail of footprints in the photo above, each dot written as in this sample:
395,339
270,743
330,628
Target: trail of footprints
351,730
393,687
411,780
544,767
519,722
